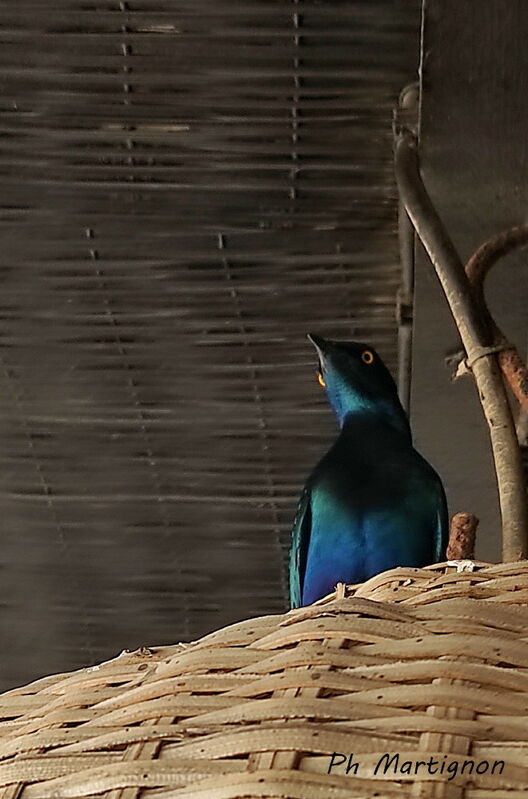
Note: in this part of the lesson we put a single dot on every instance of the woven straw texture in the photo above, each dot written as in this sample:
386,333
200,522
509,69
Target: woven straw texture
424,663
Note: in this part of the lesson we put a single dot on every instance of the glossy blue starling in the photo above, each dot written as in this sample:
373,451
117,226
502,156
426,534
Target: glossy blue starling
372,502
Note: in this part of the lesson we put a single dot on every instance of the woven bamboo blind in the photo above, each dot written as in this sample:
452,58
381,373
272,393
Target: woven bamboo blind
421,663
188,188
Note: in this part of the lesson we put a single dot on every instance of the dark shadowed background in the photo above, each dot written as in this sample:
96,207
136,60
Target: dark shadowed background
188,188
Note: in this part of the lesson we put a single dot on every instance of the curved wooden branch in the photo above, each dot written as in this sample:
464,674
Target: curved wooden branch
478,266
477,340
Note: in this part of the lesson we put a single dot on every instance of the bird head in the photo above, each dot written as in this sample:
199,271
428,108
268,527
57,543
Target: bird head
357,381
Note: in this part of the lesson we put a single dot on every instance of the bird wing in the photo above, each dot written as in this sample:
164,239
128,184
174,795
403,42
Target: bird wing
302,526
442,524
428,502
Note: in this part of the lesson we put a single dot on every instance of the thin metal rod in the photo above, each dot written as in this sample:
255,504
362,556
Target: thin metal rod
475,338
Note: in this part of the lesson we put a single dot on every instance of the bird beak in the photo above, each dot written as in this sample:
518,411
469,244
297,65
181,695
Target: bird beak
321,346
319,343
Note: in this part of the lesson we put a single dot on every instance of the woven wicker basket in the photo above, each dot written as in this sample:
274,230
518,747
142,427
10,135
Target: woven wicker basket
430,665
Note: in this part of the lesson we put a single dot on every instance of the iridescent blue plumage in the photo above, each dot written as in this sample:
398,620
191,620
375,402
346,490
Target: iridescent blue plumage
372,502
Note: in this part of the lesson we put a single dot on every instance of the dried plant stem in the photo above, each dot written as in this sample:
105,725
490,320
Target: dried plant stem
475,338
462,535
477,267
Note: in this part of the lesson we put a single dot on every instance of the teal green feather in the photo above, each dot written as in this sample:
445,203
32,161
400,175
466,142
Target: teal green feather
372,503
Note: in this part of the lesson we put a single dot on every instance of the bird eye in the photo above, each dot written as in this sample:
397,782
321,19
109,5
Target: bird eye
321,380
367,356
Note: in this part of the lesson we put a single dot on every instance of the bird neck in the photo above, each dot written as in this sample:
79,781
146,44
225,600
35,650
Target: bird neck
390,416
351,399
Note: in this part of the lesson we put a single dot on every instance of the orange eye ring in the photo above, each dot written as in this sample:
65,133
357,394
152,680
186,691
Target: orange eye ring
320,380
367,357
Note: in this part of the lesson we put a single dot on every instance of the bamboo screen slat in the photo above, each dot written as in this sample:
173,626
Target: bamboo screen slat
188,187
